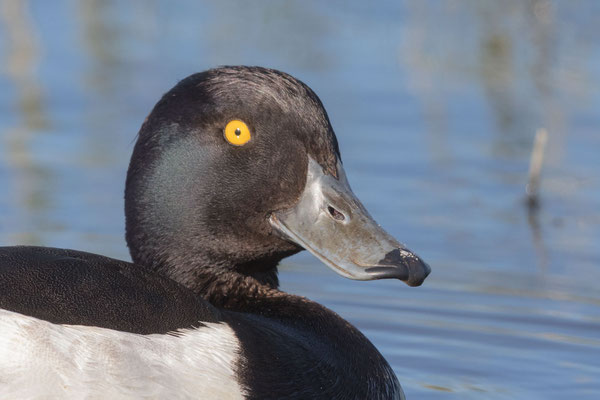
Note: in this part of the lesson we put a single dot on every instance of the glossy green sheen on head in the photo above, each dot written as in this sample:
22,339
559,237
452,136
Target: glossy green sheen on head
193,199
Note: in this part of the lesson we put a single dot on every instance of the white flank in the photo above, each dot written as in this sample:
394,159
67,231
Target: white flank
40,360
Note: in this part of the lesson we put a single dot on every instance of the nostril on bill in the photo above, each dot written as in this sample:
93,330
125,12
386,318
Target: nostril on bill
335,214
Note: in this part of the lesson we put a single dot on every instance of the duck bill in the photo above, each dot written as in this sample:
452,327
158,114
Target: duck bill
331,223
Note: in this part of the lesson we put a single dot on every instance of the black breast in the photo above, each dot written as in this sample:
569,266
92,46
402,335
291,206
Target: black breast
296,349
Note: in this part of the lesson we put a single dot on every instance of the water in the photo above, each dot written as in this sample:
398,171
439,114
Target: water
435,105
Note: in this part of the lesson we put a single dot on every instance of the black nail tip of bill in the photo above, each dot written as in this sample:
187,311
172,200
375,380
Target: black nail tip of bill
401,264
419,270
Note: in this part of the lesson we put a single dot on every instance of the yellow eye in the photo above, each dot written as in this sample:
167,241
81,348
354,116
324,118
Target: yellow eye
237,133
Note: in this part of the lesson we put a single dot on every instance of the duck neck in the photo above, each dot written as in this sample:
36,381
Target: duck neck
224,284
251,287
233,290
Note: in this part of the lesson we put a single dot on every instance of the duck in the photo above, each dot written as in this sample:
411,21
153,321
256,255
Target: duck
234,169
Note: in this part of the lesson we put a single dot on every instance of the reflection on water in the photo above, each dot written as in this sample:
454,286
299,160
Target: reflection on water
435,104
21,62
300,46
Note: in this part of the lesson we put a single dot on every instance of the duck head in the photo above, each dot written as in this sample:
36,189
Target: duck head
236,168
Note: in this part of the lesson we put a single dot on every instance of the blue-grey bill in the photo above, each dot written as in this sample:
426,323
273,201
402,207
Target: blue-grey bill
329,221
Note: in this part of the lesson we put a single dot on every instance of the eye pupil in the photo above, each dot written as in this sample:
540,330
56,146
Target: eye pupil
238,132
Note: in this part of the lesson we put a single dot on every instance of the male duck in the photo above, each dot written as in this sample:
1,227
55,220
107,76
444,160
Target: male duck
234,169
